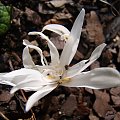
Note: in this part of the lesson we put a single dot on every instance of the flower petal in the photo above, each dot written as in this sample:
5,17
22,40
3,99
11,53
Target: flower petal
4,81
99,78
94,56
38,95
59,29
73,40
27,43
28,62
97,52
79,67
75,68
53,50
32,85
20,75
27,59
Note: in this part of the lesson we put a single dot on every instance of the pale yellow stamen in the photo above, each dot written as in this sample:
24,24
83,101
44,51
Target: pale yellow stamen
64,80
65,37
51,77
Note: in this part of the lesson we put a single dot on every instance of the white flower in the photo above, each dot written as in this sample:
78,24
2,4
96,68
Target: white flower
43,79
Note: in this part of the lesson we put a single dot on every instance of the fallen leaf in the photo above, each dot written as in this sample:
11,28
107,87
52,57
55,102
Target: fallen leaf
69,106
94,28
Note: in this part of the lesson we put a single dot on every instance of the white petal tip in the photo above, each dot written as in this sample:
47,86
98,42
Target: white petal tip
32,33
83,9
27,109
13,90
104,44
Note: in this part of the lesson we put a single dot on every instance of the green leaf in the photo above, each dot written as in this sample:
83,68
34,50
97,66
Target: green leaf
5,18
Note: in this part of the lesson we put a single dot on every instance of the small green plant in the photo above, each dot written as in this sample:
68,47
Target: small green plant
4,18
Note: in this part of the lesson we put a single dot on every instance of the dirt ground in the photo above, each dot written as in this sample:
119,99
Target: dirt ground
101,24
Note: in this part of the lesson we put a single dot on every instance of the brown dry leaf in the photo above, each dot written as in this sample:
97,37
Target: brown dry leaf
106,58
58,3
42,10
46,53
115,91
55,103
32,16
117,40
115,95
53,21
69,106
13,105
112,29
116,100
59,17
5,96
94,65
101,106
89,90
78,55
16,14
62,15
92,116
56,40
94,28
102,95
117,116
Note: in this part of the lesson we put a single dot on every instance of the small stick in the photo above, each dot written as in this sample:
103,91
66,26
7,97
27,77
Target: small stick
3,116
22,92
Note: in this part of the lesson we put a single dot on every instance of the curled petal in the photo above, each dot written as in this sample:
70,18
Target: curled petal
28,44
38,95
28,62
71,45
59,29
53,50
99,78
27,59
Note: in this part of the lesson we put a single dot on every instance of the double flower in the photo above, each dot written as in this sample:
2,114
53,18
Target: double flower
46,77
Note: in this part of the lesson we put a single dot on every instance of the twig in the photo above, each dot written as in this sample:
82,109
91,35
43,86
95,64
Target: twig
34,118
3,116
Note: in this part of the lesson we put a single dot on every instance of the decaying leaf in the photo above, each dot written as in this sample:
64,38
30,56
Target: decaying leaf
58,3
94,28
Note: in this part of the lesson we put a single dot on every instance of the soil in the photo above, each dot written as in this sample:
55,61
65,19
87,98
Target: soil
101,24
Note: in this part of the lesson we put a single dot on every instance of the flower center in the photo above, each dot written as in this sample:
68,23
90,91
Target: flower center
56,74
65,37
64,80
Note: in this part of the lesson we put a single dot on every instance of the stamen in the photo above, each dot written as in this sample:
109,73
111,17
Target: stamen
65,37
64,80
50,77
